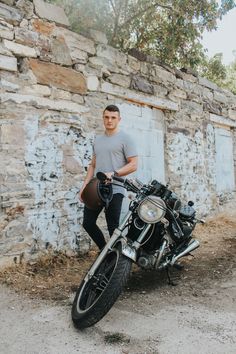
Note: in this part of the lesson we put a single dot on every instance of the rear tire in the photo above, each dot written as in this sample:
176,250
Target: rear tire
95,297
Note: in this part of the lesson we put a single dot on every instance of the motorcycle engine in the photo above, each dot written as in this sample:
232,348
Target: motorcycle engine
146,261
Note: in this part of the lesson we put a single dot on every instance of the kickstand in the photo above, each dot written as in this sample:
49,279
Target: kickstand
170,282
178,266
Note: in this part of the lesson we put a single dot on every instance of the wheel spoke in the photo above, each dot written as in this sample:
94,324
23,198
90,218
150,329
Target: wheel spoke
109,268
99,281
90,298
103,283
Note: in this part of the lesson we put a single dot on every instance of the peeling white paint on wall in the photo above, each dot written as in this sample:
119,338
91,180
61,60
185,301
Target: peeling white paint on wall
224,160
56,213
188,164
210,155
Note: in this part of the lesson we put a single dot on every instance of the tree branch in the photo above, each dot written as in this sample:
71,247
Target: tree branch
113,6
125,8
117,18
143,11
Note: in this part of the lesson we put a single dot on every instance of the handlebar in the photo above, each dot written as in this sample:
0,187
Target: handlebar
102,177
118,179
135,186
127,184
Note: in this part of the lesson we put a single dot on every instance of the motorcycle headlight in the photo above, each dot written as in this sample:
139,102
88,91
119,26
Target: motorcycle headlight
152,209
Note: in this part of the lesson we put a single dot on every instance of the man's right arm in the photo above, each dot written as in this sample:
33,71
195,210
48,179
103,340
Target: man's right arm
89,175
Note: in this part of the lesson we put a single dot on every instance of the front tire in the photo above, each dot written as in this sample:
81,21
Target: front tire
96,296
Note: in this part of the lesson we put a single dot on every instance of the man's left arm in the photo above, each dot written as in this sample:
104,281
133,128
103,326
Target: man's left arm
131,166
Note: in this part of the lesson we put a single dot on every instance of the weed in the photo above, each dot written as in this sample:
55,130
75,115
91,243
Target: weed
116,338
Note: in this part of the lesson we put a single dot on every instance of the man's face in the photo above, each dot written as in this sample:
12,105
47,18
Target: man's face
111,120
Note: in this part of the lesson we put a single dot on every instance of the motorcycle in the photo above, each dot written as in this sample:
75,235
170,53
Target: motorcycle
155,233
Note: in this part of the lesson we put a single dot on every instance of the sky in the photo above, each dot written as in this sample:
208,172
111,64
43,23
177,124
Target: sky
223,40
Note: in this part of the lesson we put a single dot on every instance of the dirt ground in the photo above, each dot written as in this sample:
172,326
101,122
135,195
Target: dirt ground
196,315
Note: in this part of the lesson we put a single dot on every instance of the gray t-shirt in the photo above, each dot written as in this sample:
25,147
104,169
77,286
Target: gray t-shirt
111,153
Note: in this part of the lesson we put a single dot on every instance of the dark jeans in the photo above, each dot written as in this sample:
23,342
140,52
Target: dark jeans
112,214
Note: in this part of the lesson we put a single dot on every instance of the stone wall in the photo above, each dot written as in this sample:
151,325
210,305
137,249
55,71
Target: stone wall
54,85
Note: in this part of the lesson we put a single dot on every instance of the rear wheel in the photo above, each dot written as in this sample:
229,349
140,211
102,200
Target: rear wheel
96,296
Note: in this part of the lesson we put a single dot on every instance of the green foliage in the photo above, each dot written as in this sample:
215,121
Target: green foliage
214,70
230,80
170,30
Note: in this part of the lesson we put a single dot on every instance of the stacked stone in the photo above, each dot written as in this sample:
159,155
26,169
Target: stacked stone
54,84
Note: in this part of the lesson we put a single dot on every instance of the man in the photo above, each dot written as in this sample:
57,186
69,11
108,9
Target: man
113,153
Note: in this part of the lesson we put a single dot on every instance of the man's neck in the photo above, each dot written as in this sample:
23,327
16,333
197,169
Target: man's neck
111,132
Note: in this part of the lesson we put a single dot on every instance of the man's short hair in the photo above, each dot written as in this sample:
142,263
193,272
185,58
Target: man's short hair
112,108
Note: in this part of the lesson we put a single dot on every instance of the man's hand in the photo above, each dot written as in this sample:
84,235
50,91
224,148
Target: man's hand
109,175
80,197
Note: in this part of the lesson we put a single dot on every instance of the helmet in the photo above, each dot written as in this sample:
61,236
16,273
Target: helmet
97,194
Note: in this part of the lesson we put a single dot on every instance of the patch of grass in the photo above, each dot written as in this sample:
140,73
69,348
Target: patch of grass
116,338
51,276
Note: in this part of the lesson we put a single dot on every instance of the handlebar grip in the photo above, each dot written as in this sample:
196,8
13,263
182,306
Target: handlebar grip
118,179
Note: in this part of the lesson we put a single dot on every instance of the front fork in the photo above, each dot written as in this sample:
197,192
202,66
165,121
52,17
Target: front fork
116,235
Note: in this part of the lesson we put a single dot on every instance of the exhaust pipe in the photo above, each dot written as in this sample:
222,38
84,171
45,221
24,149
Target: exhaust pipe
191,246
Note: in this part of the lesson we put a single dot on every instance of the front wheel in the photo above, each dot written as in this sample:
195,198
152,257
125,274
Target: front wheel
96,296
